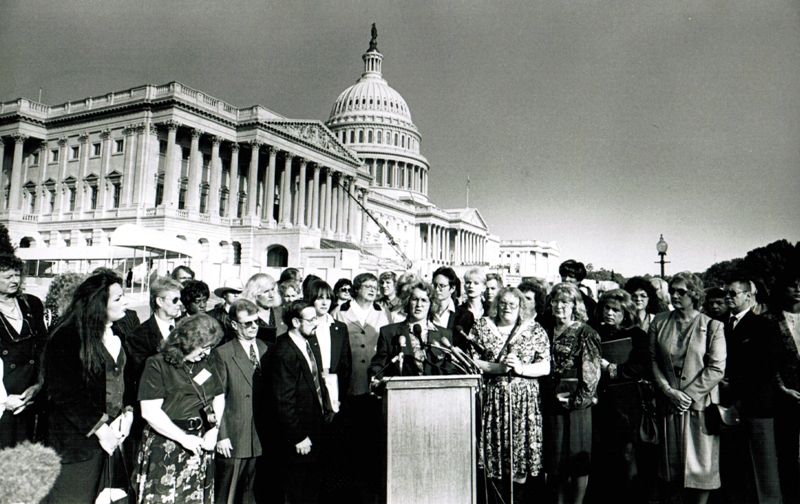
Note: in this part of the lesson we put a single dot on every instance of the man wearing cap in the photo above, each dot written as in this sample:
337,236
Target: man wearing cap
229,292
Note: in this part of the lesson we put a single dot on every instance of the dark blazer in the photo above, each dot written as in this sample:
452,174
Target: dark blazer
788,359
298,410
752,365
143,344
270,333
75,406
125,326
223,317
389,346
341,357
21,355
236,373
464,318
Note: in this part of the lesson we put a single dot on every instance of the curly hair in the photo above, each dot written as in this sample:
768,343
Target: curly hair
430,290
566,291
452,279
256,285
191,333
539,288
360,280
574,269
60,293
10,262
194,290
694,284
523,301
654,303
289,284
88,312
625,302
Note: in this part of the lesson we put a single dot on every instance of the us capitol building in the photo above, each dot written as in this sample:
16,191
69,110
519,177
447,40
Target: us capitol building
244,189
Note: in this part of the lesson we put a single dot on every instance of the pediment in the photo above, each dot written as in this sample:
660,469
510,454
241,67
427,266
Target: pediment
90,178
316,134
114,174
469,216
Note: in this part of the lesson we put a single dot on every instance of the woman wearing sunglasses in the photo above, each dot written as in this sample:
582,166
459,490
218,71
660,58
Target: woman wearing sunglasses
22,339
688,354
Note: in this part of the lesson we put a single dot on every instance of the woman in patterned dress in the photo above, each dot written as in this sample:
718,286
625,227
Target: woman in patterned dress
182,401
568,394
515,352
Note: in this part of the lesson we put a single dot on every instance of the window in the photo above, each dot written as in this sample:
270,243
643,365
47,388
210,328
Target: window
32,201
380,138
223,201
71,199
187,153
162,147
54,156
369,136
73,152
237,253
89,242
159,192
119,146
96,149
361,136
204,198
93,197
352,137
35,158
117,193
51,199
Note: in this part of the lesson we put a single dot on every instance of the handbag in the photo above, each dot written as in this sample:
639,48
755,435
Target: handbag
648,427
114,486
721,420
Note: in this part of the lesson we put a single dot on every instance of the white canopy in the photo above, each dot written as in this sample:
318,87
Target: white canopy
78,253
137,237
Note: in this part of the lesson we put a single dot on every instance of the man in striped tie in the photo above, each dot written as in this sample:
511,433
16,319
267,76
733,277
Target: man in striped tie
238,366
301,402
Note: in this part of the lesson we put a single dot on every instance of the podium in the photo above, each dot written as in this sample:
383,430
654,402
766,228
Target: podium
430,439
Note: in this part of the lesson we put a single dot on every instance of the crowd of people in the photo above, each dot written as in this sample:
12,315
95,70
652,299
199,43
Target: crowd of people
653,390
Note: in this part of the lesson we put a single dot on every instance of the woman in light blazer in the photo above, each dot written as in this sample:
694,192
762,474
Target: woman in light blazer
688,353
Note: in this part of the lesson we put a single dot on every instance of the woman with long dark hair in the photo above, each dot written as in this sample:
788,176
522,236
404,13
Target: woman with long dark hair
645,299
91,411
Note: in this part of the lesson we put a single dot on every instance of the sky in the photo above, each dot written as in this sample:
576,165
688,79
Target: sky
596,124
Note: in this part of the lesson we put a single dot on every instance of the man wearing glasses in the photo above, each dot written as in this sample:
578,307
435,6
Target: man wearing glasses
301,401
238,365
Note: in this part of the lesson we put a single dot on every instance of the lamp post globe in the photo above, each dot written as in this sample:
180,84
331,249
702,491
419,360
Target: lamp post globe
661,247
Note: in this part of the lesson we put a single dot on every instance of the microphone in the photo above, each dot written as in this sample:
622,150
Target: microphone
417,330
402,342
463,359
453,358
477,346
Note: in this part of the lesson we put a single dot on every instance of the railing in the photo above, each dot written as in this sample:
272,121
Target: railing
182,214
149,212
205,217
30,217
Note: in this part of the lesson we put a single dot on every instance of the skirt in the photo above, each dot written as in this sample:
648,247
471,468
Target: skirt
167,473
567,449
688,452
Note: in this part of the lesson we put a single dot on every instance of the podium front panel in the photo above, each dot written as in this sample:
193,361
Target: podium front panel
430,439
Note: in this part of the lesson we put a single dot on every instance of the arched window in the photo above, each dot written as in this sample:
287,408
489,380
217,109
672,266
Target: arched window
352,136
380,139
360,136
369,136
395,139
277,257
403,141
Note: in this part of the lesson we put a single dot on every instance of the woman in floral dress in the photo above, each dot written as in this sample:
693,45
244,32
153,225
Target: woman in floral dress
568,394
182,401
514,352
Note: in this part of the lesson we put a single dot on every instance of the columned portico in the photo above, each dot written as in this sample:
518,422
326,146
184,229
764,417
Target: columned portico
169,200
195,172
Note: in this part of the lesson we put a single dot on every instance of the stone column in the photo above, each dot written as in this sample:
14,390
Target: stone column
340,205
148,166
301,194
126,198
384,172
2,162
214,184
139,164
62,166
233,184
270,204
15,184
252,179
364,216
351,213
171,169
105,168
429,234
286,198
328,199
315,202
195,173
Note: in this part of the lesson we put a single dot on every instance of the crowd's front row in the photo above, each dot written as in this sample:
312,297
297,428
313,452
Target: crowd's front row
254,417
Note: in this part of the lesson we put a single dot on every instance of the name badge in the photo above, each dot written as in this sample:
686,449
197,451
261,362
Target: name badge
202,376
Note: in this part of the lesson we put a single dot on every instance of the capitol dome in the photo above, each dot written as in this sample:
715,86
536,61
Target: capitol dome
374,120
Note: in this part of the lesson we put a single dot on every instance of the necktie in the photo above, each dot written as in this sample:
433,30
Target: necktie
271,318
254,357
314,372
171,327
731,324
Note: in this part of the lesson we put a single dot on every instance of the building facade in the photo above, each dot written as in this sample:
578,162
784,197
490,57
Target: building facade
248,188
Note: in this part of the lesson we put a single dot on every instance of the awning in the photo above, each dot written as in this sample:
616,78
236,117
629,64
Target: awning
151,240
79,253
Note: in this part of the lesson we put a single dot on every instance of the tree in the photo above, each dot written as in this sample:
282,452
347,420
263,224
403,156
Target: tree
766,263
720,272
5,241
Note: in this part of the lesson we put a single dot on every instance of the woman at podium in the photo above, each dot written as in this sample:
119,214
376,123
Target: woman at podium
512,352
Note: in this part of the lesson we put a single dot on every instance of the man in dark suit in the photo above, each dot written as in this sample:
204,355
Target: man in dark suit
238,366
750,371
301,402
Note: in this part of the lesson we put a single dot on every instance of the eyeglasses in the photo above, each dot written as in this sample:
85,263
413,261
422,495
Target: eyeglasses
174,300
732,293
503,304
344,289
369,287
680,292
249,323
313,319
441,286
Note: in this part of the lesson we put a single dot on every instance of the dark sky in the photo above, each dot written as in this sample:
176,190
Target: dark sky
599,125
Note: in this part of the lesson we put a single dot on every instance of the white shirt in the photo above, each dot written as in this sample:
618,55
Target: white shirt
300,341
323,333
441,319
738,317
247,345
360,313
163,325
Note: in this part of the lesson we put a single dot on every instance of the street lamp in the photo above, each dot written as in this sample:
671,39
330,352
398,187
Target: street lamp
662,246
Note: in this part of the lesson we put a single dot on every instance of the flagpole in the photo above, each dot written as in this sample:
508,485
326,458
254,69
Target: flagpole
467,190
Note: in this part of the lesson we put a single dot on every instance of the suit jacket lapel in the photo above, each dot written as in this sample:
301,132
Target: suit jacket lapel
336,345
242,360
306,369
155,333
